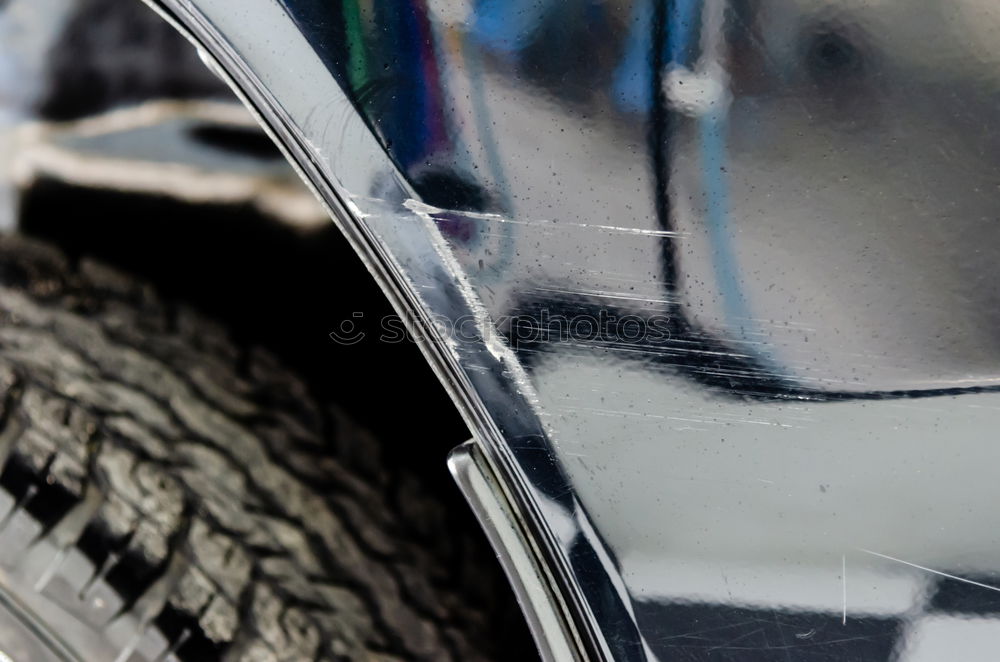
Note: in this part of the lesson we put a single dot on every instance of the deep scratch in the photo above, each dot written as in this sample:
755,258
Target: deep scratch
843,578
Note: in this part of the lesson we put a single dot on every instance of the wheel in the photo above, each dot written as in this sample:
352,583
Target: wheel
168,495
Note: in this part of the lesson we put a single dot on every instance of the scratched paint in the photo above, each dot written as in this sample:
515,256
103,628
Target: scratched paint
745,255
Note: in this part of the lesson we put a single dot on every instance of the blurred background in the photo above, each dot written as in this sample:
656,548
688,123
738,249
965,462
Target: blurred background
117,142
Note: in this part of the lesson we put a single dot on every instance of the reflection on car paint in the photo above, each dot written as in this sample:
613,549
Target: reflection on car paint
800,466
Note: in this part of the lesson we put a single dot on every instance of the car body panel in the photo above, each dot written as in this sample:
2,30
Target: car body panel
711,282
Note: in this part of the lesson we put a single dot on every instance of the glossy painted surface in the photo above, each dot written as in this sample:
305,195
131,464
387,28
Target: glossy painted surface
714,281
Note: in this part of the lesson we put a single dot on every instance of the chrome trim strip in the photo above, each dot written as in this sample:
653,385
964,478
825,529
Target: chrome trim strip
544,611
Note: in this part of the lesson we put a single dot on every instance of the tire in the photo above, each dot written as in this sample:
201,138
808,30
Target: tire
167,495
